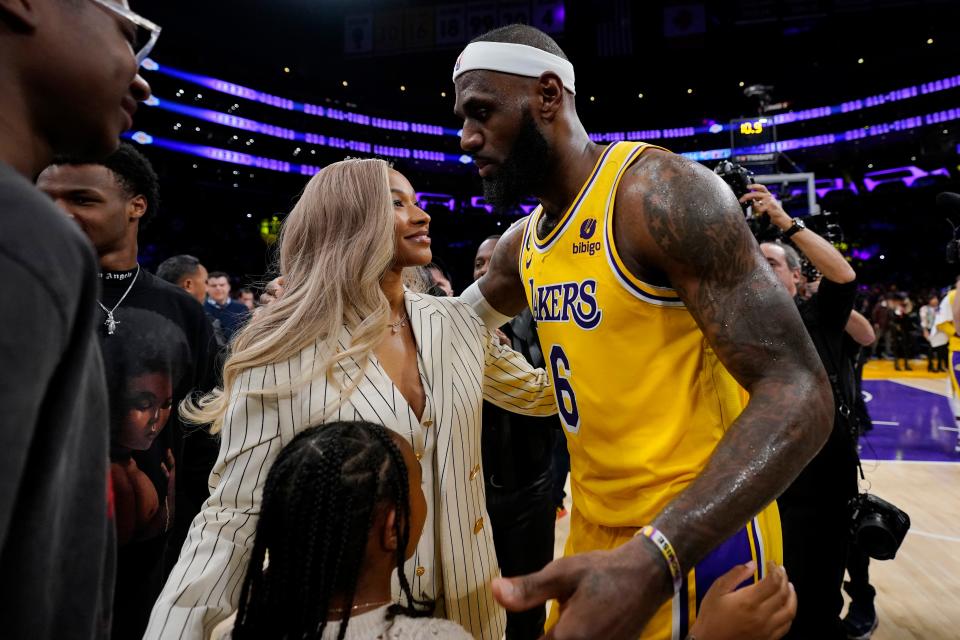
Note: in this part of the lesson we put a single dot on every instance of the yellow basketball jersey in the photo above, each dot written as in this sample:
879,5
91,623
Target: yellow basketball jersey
643,398
948,327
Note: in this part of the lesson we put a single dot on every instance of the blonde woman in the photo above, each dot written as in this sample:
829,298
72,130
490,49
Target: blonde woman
347,341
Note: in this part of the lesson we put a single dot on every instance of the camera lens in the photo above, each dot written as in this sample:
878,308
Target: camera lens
875,537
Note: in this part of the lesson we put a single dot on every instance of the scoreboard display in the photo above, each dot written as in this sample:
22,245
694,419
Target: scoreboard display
752,132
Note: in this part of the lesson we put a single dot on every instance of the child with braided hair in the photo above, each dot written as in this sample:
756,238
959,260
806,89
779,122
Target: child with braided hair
342,510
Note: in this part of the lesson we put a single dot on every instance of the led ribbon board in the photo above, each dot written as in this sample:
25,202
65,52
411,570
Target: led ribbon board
908,175
234,157
222,155
904,124
287,104
253,95
245,124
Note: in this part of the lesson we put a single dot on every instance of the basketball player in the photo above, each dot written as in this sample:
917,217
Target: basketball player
653,302
950,309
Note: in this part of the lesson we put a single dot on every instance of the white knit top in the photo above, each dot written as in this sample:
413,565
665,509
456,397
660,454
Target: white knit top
374,625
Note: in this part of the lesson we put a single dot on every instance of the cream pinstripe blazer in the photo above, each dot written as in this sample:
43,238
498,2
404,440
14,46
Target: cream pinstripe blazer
461,366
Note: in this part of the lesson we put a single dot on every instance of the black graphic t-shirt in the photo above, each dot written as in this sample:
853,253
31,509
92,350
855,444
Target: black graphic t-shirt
158,347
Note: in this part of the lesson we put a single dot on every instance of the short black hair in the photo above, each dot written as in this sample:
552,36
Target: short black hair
523,34
438,267
133,172
218,274
176,268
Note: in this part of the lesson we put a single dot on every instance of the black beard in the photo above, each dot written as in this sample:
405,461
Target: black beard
524,169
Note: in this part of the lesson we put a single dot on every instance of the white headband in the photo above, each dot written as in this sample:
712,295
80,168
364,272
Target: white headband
518,59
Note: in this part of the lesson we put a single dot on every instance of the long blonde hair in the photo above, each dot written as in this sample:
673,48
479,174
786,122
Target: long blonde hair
335,246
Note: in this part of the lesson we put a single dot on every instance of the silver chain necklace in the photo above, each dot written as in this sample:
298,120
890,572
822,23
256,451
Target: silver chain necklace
110,323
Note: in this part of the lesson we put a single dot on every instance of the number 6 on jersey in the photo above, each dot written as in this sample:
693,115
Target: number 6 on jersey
566,398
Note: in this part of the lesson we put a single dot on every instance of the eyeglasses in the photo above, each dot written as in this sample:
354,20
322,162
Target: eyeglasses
141,33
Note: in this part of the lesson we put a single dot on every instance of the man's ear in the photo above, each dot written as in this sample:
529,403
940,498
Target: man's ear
136,207
21,16
551,93
388,532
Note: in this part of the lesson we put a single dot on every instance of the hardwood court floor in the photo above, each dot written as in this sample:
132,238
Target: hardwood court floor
916,439
918,593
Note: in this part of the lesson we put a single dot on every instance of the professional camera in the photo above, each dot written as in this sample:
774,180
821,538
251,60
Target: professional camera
807,270
877,526
738,178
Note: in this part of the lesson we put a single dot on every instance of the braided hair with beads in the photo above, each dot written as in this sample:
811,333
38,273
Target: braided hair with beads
320,502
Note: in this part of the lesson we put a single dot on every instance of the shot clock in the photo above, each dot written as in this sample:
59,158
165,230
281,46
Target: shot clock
752,140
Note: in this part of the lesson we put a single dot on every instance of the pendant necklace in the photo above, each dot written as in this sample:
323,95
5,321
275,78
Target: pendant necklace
111,323
399,324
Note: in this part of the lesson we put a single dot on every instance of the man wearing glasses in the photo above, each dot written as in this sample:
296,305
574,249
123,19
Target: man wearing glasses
69,84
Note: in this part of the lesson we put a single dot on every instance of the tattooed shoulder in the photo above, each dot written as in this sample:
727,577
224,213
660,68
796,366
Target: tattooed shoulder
681,218
686,218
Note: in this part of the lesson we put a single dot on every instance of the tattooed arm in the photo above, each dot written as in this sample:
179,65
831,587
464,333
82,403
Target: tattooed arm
687,226
677,225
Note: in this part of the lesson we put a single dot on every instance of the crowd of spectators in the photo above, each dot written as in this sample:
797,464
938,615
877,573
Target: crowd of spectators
905,324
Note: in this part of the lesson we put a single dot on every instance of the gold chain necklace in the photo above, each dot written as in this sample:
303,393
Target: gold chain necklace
399,324
360,606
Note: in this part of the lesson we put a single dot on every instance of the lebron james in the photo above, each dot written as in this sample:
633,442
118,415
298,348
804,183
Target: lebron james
656,311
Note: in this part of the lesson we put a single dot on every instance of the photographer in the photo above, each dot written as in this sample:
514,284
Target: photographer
815,510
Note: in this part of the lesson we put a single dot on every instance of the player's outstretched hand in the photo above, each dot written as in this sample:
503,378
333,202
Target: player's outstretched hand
602,594
761,611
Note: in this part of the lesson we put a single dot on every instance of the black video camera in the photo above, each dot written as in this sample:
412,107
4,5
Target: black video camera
738,178
877,526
